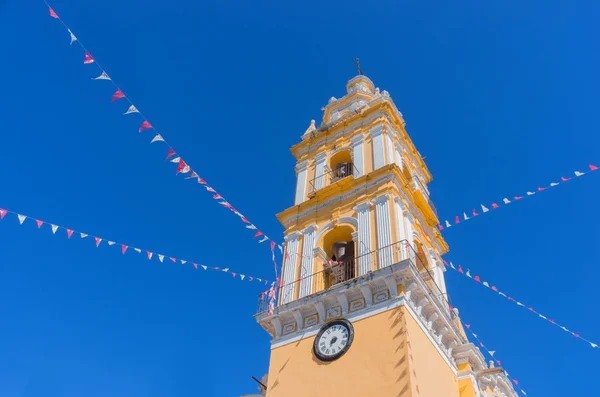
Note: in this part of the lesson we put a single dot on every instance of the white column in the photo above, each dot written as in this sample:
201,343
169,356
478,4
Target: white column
398,154
320,160
301,182
378,153
384,231
408,224
389,146
358,154
308,258
289,268
363,211
401,230
438,271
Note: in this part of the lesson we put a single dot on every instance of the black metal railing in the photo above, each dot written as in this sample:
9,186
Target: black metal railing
337,272
416,184
332,175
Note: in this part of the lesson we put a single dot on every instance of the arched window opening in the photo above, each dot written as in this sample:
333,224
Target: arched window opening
341,165
340,250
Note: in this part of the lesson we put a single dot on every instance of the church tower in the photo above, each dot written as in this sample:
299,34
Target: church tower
362,309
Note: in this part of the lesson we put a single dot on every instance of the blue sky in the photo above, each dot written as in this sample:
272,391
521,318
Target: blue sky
499,96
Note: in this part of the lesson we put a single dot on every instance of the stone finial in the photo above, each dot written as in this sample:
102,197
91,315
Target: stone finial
492,364
310,128
385,93
332,99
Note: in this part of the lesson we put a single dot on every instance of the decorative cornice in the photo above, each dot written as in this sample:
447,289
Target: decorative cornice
292,236
310,229
357,139
381,199
321,156
376,130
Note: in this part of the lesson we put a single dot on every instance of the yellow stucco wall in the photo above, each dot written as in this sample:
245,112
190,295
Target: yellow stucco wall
390,357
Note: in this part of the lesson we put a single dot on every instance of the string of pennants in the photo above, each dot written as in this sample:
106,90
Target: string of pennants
124,248
505,201
182,166
477,279
492,354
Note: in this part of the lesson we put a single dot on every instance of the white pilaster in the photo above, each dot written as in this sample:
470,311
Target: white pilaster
364,237
289,268
378,146
408,224
320,160
301,182
389,146
398,154
358,155
384,231
401,230
308,258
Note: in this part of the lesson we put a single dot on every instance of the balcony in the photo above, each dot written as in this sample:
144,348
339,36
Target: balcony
422,199
338,274
332,175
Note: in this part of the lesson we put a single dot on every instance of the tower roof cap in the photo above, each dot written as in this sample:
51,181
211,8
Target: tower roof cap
360,83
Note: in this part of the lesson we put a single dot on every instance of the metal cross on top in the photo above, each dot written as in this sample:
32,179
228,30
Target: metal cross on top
357,64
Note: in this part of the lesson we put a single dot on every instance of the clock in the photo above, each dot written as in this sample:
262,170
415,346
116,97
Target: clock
333,340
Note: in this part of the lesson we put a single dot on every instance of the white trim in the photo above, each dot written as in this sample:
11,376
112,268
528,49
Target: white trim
307,261
345,219
320,161
301,182
358,154
378,146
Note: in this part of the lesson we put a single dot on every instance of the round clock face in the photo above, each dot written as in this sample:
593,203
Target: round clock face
333,340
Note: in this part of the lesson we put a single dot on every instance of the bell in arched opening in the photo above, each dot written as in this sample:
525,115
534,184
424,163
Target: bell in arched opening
343,256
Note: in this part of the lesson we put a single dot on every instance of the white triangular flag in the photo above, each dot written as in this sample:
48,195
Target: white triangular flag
204,267
577,173
263,240
280,249
225,270
466,217
103,76
452,265
132,109
506,201
161,257
593,345
176,160
468,274
21,218
54,228
83,235
484,208
242,276
523,391
545,318
73,38
139,251
492,352
251,227
259,279
486,284
502,293
530,193
157,138
111,243
183,262
520,304
565,328
474,334
554,184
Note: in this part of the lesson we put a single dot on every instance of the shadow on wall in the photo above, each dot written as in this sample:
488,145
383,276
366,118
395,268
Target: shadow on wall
402,351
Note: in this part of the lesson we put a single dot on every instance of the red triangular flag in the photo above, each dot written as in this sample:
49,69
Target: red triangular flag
468,326
88,58
217,196
516,382
259,233
2,213
481,344
201,181
145,126
195,265
574,334
457,220
518,197
460,269
593,167
117,95
475,212
52,13
272,245
541,189
123,248
245,220
498,362
494,205
477,279
39,223
530,309
98,240
233,274
440,227
445,262
173,260
494,288
552,321
170,153
149,254
182,165
565,179
69,233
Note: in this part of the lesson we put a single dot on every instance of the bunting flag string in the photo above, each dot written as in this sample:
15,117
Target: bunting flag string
475,212
495,289
492,354
98,241
182,166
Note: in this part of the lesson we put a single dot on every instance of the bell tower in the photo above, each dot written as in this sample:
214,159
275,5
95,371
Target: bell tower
362,309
